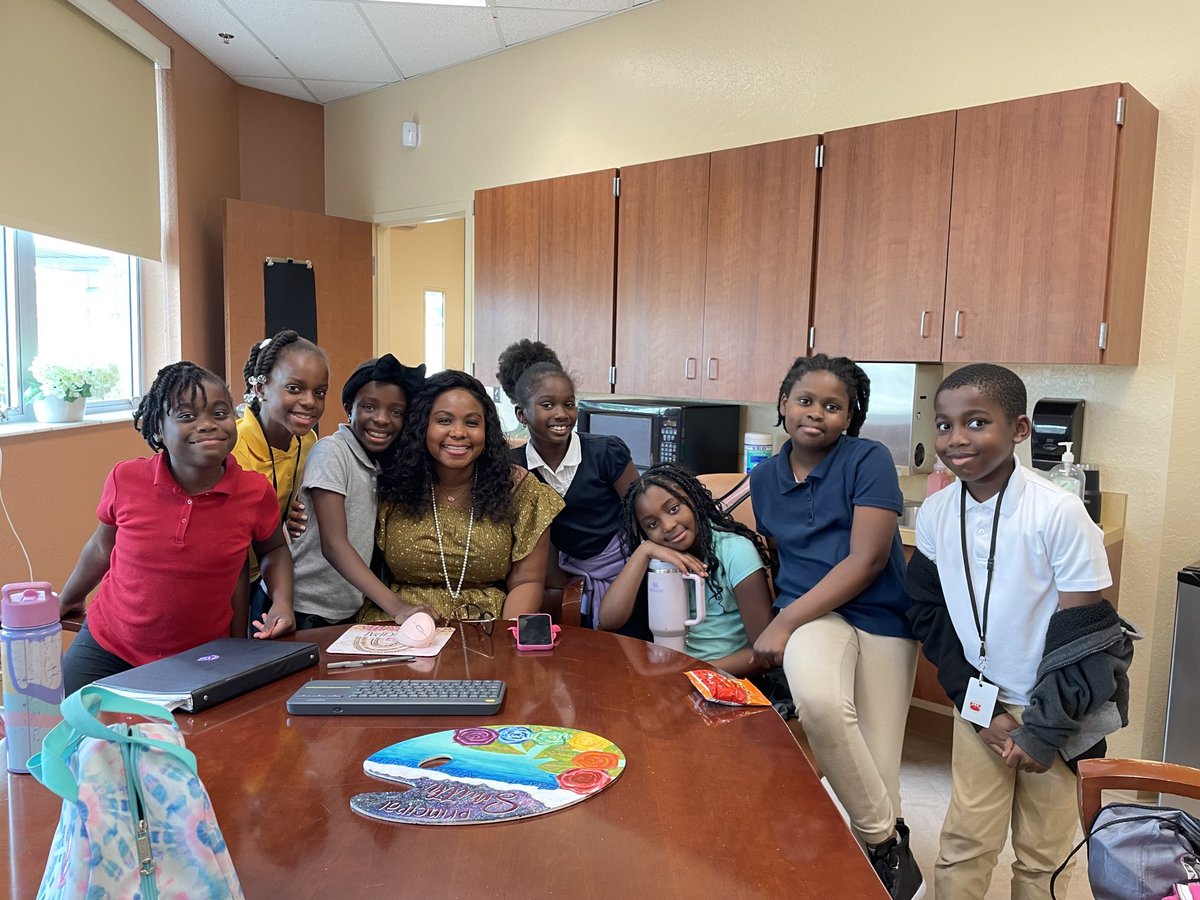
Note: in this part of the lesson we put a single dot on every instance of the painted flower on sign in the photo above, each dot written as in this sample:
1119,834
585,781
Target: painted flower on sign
583,781
474,737
595,759
515,734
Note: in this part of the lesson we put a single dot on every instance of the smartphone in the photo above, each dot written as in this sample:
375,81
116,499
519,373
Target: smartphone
535,632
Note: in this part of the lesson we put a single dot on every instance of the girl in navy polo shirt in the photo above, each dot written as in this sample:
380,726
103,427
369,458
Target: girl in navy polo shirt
173,535
591,472
827,504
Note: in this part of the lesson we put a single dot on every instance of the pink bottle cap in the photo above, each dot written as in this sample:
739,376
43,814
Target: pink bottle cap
28,604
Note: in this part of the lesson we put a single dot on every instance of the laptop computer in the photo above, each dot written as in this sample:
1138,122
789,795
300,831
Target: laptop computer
212,673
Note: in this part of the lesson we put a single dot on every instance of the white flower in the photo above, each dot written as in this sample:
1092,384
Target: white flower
72,382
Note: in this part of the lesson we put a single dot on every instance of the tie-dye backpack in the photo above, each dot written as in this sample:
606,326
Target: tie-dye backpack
136,820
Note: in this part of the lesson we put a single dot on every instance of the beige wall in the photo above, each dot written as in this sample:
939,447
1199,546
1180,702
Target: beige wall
424,257
683,76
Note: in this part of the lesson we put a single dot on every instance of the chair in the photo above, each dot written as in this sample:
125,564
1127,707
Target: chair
721,485
1099,775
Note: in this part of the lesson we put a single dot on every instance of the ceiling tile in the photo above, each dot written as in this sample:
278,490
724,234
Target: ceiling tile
328,91
576,5
423,38
518,25
329,41
288,87
199,24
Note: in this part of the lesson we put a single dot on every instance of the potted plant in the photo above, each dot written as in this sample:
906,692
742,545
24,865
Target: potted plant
63,390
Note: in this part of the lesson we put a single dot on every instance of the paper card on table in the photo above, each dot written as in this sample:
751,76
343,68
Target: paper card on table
385,640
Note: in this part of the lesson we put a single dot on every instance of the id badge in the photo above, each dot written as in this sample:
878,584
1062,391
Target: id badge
980,702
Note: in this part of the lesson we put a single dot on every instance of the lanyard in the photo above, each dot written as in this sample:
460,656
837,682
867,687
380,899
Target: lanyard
980,625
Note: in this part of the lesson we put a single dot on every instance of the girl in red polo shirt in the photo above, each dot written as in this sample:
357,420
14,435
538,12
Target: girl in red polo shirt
173,535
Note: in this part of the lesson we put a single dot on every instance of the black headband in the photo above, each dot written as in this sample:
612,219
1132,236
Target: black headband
387,369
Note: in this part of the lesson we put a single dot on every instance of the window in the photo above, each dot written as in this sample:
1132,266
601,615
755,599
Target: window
435,331
68,304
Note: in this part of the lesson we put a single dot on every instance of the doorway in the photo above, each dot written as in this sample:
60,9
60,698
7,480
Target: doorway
422,316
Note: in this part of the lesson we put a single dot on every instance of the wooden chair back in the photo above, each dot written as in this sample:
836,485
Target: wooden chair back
1099,775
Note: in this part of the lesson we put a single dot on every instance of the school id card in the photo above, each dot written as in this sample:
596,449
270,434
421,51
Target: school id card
979,705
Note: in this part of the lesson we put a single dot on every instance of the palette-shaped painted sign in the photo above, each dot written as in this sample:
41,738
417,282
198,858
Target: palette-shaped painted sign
489,774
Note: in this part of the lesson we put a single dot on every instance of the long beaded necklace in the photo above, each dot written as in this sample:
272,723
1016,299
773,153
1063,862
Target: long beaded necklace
455,593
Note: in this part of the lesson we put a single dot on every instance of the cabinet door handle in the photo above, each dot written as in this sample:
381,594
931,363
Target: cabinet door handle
924,316
689,368
958,323
711,368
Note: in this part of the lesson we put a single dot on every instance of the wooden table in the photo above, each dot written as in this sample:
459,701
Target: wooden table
713,802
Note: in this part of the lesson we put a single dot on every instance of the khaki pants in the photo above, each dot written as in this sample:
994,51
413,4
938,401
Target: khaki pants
852,691
985,794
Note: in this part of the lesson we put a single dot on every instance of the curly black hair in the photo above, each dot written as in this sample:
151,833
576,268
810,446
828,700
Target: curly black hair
174,384
408,479
1002,386
687,489
262,358
522,367
858,385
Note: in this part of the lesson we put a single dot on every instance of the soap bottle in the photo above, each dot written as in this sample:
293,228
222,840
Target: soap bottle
1066,474
939,478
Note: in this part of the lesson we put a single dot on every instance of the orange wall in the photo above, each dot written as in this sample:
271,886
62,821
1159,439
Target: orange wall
51,480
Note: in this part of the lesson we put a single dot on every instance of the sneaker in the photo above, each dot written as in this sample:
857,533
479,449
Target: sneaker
894,864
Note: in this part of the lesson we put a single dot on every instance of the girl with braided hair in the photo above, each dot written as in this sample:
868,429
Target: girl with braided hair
670,516
827,504
174,531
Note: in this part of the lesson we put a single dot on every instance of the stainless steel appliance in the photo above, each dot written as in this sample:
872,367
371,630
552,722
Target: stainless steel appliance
1181,744
901,412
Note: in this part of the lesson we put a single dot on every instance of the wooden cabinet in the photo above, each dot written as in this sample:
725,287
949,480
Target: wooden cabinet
660,277
883,224
544,270
1048,228
761,207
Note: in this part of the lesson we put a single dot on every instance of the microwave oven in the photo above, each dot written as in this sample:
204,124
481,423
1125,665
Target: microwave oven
700,437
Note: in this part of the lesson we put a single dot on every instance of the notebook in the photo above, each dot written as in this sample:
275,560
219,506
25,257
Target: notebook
212,673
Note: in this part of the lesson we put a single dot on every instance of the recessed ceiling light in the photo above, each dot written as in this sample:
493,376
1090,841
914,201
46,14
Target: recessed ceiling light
441,2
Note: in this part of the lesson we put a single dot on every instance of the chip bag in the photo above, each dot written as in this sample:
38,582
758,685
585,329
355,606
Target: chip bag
723,689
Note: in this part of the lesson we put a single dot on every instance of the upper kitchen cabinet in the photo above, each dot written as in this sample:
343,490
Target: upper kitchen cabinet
661,238
506,272
882,228
544,256
575,293
1049,224
761,206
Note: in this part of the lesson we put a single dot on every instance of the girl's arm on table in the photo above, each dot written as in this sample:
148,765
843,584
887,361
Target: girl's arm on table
618,602
275,562
330,508
93,563
527,580
870,545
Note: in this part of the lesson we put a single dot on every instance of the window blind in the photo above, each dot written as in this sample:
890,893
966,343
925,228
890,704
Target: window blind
78,129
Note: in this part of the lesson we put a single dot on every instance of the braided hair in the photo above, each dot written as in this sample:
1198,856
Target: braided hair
174,384
687,489
858,385
262,358
523,366
409,476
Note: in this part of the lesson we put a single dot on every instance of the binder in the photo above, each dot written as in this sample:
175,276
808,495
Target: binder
212,673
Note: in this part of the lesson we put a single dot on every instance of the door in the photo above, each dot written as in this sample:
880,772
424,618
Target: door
578,237
762,202
883,225
661,238
340,251
1030,225
506,272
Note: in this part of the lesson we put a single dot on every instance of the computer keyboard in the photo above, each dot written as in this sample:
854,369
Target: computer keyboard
407,697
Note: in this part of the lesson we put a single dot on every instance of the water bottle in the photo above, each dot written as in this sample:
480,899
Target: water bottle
668,603
31,647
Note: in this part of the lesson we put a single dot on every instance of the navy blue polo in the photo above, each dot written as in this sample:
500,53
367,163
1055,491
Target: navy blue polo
810,522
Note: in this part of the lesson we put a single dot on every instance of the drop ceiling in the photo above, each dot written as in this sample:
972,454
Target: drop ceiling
327,50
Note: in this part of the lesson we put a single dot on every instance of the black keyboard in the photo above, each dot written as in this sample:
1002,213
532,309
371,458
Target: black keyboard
408,697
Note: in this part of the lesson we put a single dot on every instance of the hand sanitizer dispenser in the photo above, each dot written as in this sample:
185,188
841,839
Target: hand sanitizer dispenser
1066,474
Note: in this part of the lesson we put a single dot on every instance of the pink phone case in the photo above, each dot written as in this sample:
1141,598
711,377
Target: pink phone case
554,631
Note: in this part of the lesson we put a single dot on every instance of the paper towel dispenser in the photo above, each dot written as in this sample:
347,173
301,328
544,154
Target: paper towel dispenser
1056,419
901,412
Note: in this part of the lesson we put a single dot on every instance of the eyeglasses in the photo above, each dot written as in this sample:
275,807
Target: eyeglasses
473,614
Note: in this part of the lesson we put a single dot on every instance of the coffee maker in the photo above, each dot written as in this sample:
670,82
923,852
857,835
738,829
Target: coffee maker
1055,421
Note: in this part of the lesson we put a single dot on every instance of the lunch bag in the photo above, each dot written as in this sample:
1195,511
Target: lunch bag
136,820
1138,852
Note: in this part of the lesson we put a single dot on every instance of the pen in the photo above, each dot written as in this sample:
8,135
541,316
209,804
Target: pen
355,663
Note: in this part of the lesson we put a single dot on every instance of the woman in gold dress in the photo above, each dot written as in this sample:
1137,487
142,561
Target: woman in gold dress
458,523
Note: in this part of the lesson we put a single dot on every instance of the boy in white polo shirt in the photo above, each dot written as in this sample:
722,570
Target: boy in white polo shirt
1034,554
